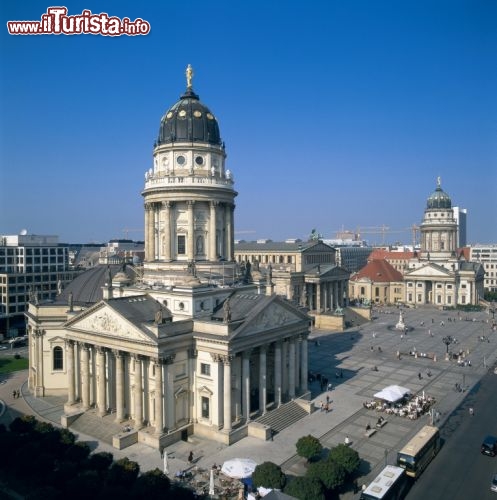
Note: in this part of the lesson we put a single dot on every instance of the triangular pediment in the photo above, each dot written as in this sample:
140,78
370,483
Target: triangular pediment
319,247
274,315
101,319
429,270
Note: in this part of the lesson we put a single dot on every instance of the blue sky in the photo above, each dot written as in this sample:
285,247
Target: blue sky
334,114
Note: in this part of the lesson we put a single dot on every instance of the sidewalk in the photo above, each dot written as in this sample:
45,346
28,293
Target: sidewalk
349,353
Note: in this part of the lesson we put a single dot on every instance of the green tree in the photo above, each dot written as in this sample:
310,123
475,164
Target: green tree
77,452
346,457
309,447
100,462
331,474
123,472
269,475
305,488
151,485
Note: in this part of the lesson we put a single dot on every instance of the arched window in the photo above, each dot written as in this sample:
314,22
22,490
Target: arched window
58,358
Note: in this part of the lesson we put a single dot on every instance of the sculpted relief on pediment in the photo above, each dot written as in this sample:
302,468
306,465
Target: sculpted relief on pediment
105,321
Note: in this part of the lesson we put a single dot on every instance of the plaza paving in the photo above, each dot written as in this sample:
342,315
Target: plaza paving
330,352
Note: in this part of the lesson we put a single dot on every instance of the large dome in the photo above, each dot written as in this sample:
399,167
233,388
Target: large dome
189,121
439,198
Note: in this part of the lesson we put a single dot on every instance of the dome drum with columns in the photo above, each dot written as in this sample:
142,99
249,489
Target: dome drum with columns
189,195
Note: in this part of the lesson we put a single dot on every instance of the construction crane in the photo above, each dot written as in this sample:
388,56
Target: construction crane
383,230
128,230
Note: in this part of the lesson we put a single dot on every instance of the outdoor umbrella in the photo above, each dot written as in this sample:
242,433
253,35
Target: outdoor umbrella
238,467
211,483
166,465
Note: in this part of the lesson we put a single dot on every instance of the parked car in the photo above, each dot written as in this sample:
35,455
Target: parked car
493,484
489,446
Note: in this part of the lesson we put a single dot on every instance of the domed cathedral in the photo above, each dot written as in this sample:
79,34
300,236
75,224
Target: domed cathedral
189,348
189,196
441,275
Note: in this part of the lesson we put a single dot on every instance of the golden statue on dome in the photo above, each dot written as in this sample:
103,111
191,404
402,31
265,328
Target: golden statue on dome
189,76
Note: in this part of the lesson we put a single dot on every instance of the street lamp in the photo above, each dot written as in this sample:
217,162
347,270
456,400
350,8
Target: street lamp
447,341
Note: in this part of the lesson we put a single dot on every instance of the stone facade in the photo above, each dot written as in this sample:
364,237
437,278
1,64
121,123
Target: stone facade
181,350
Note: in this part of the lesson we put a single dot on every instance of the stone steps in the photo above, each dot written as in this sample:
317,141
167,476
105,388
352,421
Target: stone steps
101,428
283,417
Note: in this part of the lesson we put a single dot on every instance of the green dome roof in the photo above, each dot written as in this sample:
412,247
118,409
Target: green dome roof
439,199
189,120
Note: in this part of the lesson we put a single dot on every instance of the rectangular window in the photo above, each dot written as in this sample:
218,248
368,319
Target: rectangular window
205,407
463,299
205,369
181,244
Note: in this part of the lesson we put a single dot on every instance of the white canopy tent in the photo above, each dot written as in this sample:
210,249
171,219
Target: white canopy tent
392,393
238,467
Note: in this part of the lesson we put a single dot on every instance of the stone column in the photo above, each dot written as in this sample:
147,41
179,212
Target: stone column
138,392
277,373
71,390
166,205
170,401
39,363
303,364
297,364
318,297
149,231
119,386
291,369
262,380
229,233
159,390
101,406
85,376
191,231
246,385
227,391
284,369
212,231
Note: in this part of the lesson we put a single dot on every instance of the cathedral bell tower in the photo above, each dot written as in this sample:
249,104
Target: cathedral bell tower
439,227
189,195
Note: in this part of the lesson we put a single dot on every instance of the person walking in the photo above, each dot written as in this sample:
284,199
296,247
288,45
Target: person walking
471,411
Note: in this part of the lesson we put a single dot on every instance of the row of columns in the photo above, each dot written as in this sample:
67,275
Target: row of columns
103,377
161,232
290,377
163,393
325,296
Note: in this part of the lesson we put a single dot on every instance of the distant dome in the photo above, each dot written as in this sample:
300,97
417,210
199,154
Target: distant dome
439,199
189,120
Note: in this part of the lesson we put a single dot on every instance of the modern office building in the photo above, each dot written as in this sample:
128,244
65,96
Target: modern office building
486,255
460,216
35,266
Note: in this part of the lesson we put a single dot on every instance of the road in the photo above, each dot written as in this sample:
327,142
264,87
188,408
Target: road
460,471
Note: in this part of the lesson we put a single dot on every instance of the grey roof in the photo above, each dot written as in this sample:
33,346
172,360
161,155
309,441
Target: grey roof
139,309
86,288
276,246
241,303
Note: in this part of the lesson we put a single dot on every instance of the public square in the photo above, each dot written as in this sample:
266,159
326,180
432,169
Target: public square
358,363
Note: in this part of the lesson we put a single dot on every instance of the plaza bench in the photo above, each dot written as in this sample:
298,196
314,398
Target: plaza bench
370,432
379,425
